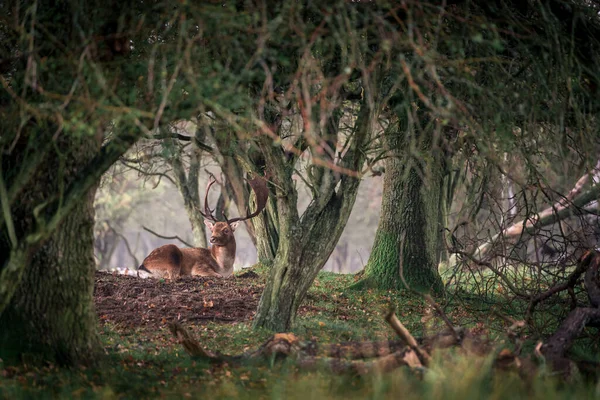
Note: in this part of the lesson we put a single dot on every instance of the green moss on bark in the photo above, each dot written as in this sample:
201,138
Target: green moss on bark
409,223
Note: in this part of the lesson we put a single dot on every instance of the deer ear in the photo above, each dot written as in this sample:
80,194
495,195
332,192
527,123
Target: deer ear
209,224
234,225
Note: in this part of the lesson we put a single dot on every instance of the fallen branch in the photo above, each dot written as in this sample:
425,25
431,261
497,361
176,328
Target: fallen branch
405,336
443,316
570,283
557,346
307,355
592,285
576,198
382,364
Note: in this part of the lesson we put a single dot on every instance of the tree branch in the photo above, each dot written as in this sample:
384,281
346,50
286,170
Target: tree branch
184,138
167,237
548,216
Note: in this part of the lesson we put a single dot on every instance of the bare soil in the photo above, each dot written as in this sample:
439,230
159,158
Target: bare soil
132,302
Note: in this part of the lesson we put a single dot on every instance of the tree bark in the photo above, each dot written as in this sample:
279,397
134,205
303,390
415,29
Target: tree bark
411,211
188,188
51,314
306,243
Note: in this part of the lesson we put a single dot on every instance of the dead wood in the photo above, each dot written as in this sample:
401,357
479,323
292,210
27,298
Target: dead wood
406,357
280,345
362,358
356,350
592,285
556,347
405,336
588,258
339,358
443,316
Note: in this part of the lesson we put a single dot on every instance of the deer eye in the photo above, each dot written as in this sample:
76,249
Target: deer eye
225,231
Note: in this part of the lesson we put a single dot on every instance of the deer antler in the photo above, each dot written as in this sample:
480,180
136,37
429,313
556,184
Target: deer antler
208,213
261,191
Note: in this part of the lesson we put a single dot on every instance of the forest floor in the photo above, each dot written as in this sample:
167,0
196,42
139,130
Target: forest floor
143,359
129,302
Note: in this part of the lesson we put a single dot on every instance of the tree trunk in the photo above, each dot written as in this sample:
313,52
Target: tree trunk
51,315
409,222
188,188
303,251
306,243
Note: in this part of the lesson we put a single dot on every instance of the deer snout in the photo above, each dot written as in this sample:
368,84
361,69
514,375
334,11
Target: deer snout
216,240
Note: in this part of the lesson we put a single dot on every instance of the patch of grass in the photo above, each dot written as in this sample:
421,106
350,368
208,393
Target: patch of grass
142,363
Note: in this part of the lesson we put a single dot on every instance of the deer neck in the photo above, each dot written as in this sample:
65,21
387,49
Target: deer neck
225,256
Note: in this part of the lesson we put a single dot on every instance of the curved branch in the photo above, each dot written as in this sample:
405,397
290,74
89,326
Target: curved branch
135,260
582,266
184,138
167,237
146,173
548,216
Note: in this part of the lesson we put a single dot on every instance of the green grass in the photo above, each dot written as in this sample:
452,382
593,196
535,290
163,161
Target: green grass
142,364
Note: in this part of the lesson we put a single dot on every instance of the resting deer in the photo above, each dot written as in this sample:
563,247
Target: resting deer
170,261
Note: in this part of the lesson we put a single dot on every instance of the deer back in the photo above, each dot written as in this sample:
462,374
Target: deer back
164,261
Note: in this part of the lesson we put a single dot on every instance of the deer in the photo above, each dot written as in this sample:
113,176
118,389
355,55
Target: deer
170,261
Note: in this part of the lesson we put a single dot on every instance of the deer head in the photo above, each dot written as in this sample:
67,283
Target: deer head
221,232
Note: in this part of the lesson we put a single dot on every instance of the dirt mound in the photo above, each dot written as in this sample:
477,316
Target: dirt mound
133,302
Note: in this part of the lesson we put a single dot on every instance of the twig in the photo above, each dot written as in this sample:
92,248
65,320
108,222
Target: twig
146,173
443,316
167,237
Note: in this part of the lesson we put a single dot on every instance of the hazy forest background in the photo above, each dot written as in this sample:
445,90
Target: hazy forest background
129,200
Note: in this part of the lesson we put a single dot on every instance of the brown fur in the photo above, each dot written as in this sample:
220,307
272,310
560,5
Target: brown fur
170,261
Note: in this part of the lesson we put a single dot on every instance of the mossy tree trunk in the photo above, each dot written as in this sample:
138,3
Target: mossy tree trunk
51,314
52,159
307,241
411,212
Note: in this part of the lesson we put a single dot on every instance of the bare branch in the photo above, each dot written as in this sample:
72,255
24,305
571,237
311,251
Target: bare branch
167,237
